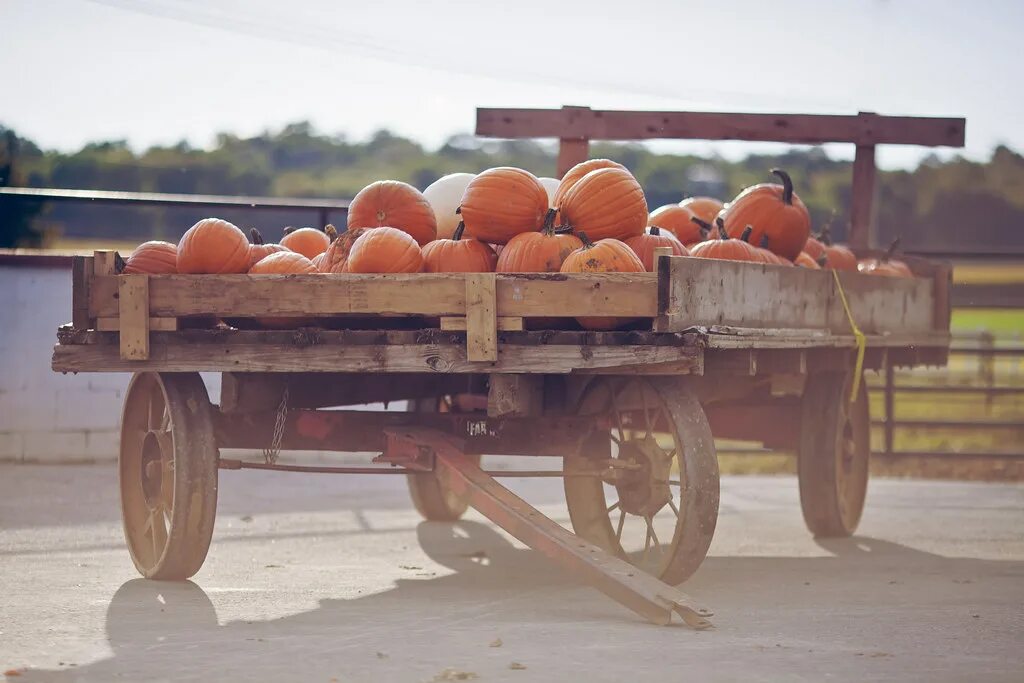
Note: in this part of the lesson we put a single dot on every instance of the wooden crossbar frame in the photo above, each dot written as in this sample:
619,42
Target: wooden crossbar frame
575,127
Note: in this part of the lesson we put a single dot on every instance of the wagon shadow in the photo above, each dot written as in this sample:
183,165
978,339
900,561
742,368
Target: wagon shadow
421,626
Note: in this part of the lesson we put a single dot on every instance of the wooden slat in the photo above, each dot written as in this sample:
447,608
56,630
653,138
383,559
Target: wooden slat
434,294
862,129
81,277
429,358
155,324
481,317
458,324
134,316
103,262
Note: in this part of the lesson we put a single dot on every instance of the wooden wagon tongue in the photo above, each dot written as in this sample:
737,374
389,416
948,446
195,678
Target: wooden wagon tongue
641,592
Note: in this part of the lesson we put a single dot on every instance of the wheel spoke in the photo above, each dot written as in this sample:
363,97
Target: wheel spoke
622,522
647,544
650,530
613,507
672,504
647,409
156,531
615,439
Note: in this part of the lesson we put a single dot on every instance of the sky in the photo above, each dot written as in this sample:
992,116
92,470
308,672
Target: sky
159,71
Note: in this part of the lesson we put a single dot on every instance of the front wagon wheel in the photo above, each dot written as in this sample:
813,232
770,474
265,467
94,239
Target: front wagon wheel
168,473
431,493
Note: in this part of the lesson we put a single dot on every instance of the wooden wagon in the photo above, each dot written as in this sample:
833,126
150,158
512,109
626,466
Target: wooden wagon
488,365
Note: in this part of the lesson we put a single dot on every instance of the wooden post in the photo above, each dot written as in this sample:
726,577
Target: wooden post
575,149
133,316
481,318
863,195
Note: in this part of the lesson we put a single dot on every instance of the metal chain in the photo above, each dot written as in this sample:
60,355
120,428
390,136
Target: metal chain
271,454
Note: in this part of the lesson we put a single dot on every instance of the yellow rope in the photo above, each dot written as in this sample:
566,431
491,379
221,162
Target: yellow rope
857,334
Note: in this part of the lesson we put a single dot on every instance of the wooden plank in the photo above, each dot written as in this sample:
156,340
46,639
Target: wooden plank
481,317
458,324
433,294
81,277
863,190
669,291
134,316
515,395
104,262
420,358
710,292
570,153
155,324
862,129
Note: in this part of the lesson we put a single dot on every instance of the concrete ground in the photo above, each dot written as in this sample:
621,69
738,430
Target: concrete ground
336,579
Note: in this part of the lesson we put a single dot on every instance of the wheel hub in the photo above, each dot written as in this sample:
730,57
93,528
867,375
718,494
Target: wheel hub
645,490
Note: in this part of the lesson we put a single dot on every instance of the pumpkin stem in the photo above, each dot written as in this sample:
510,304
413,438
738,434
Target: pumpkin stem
822,260
255,236
655,230
458,211
746,233
549,223
705,227
563,230
586,240
891,250
459,229
722,234
787,185
764,242
288,230
332,232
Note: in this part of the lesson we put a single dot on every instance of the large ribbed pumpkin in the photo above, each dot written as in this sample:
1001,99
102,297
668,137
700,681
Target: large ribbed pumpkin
385,250
152,258
773,210
604,256
652,238
704,208
538,252
445,197
608,202
309,242
574,174
502,202
680,222
335,258
213,246
394,204
283,263
457,255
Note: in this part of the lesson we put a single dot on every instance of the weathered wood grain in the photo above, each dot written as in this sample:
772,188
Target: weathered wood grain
133,318
481,317
155,324
515,395
458,324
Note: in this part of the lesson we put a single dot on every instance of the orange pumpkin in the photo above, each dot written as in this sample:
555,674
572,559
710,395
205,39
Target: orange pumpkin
335,258
152,258
309,242
644,245
385,250
259,250
837,256
396,205
886,264
608,202
773,210
213,246
814,248
704,208
680,222
574,174
502,202
770,256
457,255
604,256
316,261
283,263
805,260
729,249
538,252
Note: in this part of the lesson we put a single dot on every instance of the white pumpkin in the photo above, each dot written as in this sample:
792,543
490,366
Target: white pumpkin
445,196
551,185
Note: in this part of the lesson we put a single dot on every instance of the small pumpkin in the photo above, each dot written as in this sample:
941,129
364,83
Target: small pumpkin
502,202
805,260
770,256
284,263
394,204
603,256
886,265
608,202
729,249
814,248
538,252
457,255
385,250
335,258
704,208
680,222
837,256
644,245
152,258
773,210
309,242
445,196
576,173
213,246
259,250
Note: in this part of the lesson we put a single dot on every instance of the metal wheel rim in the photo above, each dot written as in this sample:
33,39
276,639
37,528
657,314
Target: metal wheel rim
851,453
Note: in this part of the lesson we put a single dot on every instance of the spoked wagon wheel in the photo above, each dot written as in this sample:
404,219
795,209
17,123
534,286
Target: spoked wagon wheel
431,494
659,505
835,443
168,473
